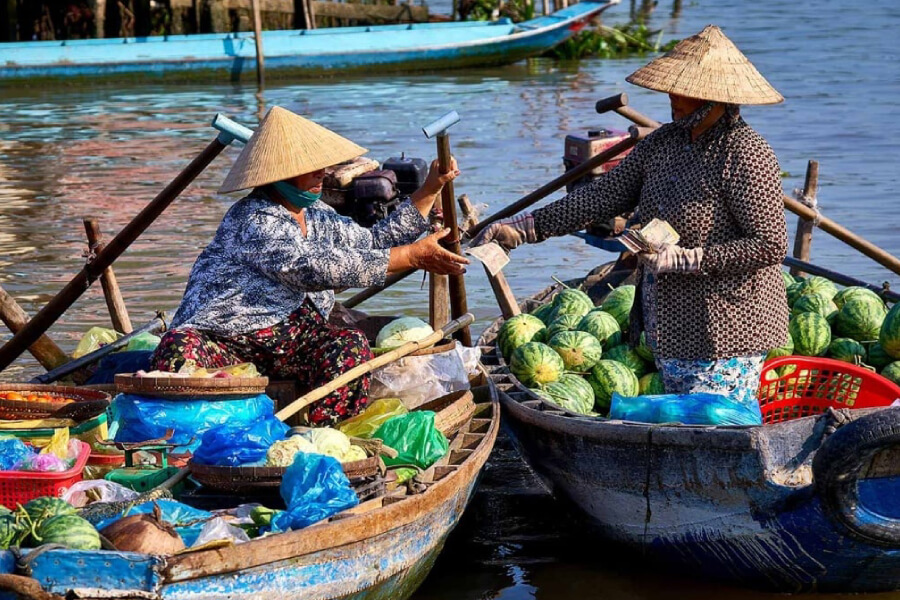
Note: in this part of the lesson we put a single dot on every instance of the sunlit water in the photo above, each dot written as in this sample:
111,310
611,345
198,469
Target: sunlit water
106,151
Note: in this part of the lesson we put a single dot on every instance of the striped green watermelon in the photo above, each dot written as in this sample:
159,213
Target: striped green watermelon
892,372
602,326
12,531
889,336
618,303
857,292
785,350
69,530
571,302
543,312
651,384
818,285
860,318
628,357
788,278
811,334
793,292
572,393
536,364
46,507
644,350
816,303
609,376
518,330
877,357
847,350
579,350
562,323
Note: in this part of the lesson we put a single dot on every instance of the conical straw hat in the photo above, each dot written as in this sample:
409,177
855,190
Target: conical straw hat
707,66
286,145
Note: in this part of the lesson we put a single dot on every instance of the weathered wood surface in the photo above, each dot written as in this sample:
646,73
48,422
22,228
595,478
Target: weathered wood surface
118,312
805,227
370,12
44,349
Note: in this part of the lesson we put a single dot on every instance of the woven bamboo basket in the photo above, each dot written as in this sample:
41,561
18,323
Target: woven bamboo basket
15,410
451,411
177,388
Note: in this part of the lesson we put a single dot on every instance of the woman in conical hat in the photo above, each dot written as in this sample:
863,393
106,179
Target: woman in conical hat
263,289
714,304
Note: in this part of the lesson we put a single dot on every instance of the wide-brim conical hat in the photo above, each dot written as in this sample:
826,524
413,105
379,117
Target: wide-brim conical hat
707,66
286,145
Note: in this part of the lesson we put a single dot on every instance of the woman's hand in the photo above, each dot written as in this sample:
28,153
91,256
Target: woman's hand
509,233
429,255
672,259
425,196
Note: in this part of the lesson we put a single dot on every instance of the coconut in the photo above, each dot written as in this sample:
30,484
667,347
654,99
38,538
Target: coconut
144,533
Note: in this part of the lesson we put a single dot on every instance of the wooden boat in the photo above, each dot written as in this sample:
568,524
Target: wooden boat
222,57
809,504
382,548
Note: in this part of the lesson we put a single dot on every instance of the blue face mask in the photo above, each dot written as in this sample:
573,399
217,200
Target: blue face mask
297,197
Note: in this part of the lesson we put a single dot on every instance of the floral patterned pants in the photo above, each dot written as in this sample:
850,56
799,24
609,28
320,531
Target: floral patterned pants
304,347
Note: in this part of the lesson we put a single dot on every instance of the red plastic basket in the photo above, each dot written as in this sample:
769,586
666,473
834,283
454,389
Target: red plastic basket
22,486
815,384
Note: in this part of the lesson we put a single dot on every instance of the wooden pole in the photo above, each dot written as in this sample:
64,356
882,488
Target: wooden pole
310,10
546,7
118,313
458,300
803,237
44,349
369,366
257,36
502,292
82,281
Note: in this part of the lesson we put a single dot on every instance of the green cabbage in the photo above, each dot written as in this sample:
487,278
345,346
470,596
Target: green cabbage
403,330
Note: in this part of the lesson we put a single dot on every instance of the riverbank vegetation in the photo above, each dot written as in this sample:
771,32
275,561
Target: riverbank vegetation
619,41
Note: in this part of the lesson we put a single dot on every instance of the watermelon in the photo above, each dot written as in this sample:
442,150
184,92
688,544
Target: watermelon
811,334
572,393
609,376
788,278
536,364
857,292
793,292
818,285
628,357
816,303
518,330
892,372
877,357
571,302
12,531
847,350
543,311
618,303
651,384
785,350
562,323
46,507
889,336
602,326
644,350
860,318
579,350
69,530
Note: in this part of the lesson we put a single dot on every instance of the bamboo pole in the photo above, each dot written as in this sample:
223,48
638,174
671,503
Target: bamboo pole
44,349
803,237
118,312
82,281
369,366
257,36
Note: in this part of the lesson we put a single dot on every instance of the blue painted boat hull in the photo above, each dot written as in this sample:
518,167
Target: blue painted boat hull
415,47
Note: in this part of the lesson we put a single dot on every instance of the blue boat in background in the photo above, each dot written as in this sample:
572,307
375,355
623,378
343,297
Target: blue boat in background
297,53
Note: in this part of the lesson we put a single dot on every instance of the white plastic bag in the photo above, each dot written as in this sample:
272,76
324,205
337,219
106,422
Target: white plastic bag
419,379
107,491
220,529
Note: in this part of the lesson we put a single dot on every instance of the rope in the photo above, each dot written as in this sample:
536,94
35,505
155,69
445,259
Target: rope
23,563
810,201
836,419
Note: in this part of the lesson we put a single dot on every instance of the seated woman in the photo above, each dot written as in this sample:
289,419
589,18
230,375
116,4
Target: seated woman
262,290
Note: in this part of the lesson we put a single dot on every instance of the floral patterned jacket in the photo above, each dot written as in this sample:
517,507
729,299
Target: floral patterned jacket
260,267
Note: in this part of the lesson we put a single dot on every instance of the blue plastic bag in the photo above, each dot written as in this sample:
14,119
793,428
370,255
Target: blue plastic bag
187,520
415,438
120,362
689,409
12,452
140,419
313,488
232,446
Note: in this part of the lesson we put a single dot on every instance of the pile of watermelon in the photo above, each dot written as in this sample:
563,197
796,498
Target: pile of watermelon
852,324
46,520
574,354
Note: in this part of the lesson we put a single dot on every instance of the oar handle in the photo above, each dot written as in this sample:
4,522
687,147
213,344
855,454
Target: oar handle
370,365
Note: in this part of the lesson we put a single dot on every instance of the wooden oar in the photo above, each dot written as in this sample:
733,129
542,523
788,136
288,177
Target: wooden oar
369,366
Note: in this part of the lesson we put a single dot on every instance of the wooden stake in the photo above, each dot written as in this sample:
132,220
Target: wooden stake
803,237
546,7
257,35
118,313
44,349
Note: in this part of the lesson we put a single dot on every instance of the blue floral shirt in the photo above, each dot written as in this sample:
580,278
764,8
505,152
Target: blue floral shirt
260,267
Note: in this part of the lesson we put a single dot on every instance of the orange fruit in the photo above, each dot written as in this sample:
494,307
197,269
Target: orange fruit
14,396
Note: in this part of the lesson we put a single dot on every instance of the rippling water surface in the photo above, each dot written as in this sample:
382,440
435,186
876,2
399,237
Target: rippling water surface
106,150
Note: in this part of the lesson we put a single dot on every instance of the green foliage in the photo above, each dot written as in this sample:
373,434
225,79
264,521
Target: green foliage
485,10
620,41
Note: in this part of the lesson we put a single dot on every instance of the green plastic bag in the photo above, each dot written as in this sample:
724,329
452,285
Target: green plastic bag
376,414
143,341
415,438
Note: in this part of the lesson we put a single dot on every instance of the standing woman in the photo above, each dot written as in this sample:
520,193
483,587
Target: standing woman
714,304
262,290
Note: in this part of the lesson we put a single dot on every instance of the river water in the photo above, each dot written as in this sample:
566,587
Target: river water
106,150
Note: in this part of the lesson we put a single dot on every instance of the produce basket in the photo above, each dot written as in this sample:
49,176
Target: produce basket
22,486
451,411
810,385
176,388
85,401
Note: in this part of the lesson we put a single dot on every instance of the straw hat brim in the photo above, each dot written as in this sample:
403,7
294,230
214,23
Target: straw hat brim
284,146
707,66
